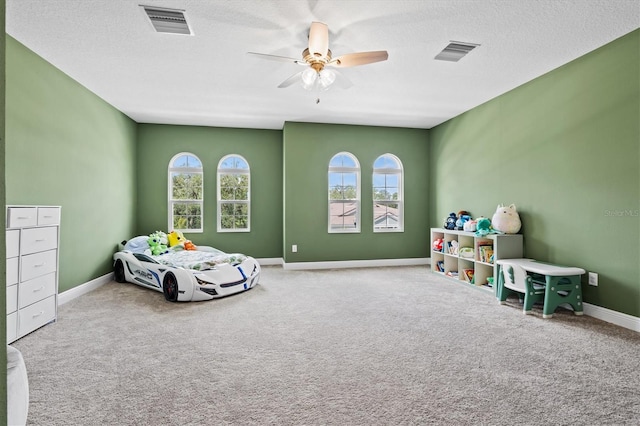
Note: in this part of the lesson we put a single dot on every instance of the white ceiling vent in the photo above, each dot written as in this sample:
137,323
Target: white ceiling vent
455,51
167,20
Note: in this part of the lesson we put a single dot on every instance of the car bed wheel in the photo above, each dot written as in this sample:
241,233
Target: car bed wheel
170,287
118,272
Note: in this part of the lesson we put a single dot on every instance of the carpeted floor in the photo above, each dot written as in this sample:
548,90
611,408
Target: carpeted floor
373,346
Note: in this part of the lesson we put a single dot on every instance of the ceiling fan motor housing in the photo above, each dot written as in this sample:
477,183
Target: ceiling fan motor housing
316,60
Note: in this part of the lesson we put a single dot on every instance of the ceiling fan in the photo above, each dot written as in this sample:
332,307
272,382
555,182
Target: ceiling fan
320,71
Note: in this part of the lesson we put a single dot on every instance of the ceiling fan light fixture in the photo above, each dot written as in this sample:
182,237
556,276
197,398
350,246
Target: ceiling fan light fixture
308,78
326,78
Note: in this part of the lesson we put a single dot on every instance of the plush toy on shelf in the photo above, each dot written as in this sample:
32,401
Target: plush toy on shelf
483,227
463,217
437,244
469,226
450,221
506,219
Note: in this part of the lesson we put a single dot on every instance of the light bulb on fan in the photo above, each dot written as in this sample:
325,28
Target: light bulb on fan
326,79
309,78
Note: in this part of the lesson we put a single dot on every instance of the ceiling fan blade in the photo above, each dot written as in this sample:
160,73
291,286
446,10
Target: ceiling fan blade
361,58
277,58
291,80
319,39
342,81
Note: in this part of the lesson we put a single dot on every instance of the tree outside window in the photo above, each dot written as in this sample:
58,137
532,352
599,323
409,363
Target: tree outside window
233,194
185,193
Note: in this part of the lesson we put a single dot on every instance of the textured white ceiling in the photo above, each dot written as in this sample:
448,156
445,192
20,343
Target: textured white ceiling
208,79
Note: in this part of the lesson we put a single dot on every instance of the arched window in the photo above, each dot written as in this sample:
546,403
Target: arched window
344,193
234,197
185,193
388,194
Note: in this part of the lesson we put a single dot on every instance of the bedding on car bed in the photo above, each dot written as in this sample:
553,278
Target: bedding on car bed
198,260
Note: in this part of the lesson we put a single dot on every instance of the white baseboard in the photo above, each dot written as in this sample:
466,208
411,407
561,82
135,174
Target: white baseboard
354,263
614,317
77,291
270,261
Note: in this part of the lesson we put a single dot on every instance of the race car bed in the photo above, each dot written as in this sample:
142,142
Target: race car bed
187,275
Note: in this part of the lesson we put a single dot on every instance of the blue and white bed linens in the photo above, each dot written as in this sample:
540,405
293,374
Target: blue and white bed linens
198,260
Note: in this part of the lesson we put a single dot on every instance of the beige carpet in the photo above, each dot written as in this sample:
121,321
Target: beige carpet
375,346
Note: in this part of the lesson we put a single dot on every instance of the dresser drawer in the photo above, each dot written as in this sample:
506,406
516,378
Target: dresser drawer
36,289
36,315
22,216
38,264
34,240
48,216
12,327
12,298
13,243
13,266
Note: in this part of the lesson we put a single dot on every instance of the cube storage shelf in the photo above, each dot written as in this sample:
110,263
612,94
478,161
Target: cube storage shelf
470,258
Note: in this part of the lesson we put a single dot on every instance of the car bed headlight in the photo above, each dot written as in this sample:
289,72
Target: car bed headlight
202,282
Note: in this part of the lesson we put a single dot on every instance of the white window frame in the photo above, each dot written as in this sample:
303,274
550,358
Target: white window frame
399,172
172,201
356,201
220,202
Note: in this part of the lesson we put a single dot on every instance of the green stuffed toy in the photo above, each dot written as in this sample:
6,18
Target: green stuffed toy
158,243
483,227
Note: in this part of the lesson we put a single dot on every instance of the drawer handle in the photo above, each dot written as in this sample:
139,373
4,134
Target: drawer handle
38,289
23,217
38,314
47,217
41,240
39,265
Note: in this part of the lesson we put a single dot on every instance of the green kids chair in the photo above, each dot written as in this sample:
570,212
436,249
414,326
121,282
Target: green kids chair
516,281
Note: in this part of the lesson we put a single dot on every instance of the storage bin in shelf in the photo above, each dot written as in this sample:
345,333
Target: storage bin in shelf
474,261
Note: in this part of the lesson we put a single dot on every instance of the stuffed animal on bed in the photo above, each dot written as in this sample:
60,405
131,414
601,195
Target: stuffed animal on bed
156,245
177,241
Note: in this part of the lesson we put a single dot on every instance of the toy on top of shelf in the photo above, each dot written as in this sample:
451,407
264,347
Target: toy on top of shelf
450,221
469,226
506,219
437,244
463,216
483,227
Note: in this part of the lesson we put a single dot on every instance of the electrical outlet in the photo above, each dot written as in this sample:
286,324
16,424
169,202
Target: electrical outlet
593,278
294,248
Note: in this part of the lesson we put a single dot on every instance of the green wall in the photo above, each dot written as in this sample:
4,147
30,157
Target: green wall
65,146
307,149
3,297
157,144
565,149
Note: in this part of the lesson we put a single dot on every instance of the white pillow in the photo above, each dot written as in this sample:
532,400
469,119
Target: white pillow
137,244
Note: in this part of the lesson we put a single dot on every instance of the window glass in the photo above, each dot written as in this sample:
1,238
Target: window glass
344,193
388,197
233,194
185,193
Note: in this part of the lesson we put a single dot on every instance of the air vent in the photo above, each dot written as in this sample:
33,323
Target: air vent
170,21
455,51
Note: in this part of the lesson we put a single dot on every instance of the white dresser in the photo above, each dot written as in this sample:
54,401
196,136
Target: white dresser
33,235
